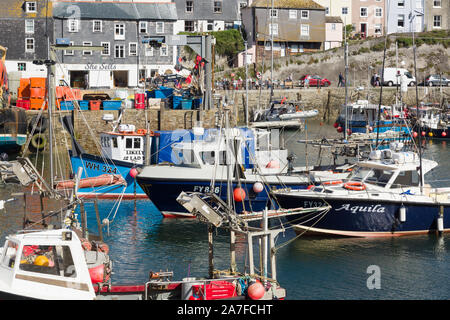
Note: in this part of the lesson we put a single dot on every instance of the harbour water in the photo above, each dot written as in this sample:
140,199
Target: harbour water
140,240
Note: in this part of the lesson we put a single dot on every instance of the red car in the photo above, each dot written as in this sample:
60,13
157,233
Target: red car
314,81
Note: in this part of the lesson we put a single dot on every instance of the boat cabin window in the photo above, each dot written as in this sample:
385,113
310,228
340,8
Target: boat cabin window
55,260
114,142
373,176
208,157
137,143
9,254
129,143
105,142
406,178
359,173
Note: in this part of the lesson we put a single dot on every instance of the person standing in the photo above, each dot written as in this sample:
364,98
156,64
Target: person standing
341,80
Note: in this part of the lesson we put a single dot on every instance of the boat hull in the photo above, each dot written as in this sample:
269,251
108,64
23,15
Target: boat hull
94,166
366,217
164,192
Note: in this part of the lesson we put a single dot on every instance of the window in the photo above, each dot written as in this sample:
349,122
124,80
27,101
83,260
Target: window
21,66
143,26
97,26
401,20
106,49
304,30
119,31
401,3
344,10
87,52
217,6
210,25
132,49
378,29
159,27
114,142
129,143
189,26
437,3
29,45
164,50
274,13
378,12
119,51
437,21
305,14
69,52
29,26
190,6
363,12
273,29
137,143
327,11
333,26
73,25
9,254
30,6
292,14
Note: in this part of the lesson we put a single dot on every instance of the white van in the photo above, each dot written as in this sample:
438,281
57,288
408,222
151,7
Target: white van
392,77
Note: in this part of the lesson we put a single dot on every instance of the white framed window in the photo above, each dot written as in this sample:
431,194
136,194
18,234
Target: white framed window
87,52
293,14
119,31
106,48
327,11
97,26
401,3
378,12
437,21
273,13
30,7
73,25
217,6
143,27
149,51
363,12
29,45
160,27
132,49
189,26
29,26
119,51
333,26
189,6
273,29
401,21
69,52
437,3
344,10
304,14
304,30
164,50
378,28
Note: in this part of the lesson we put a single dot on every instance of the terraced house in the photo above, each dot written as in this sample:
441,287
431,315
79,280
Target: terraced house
25,26
437,15
119,27
398,13
296,26
368,17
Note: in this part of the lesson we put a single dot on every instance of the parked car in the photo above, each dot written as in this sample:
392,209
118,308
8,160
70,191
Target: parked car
314,81
436,80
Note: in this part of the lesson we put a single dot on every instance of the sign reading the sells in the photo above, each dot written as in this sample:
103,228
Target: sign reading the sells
102,66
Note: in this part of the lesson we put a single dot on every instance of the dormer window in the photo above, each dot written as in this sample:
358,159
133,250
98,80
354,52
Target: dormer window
30,7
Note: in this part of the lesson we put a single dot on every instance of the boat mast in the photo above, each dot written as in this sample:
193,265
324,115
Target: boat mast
346,77
271,50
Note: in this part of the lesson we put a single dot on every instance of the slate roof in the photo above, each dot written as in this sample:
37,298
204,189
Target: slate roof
288,4
116,10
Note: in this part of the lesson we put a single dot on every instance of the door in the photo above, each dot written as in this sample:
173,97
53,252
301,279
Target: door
363,30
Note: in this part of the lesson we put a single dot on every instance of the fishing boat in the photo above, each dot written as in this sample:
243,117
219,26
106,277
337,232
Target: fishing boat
282,114
13,120
433,120
384,196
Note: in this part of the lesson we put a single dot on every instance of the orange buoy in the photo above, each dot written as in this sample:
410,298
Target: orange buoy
102,247
133,172
256,291
239,194
86,244
98,274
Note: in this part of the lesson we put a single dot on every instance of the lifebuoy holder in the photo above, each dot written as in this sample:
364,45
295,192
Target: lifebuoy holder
355,186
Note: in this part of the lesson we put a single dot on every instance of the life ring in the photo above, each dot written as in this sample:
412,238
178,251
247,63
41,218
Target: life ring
327,183
355,186
38,141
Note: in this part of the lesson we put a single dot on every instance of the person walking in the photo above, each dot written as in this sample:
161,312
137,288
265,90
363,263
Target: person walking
341,80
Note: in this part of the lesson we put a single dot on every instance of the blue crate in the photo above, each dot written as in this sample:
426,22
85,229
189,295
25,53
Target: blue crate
84,104
186,104
177,102
66,105
112,104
